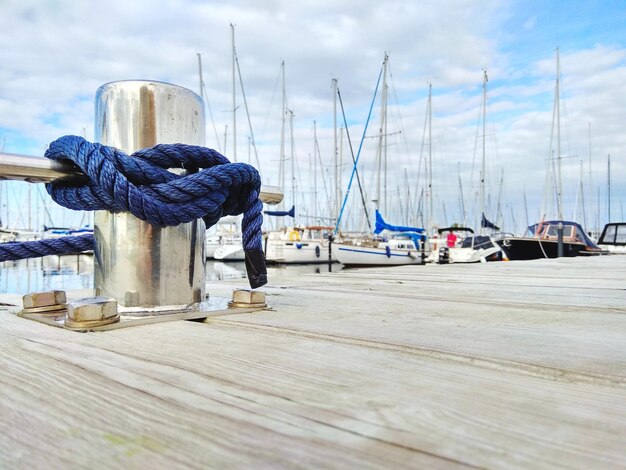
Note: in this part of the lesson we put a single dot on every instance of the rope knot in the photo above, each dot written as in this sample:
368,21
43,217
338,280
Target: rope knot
142,184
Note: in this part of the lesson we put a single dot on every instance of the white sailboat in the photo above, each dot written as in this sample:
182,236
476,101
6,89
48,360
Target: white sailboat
223,241
373,251
296,244
397,245
230,250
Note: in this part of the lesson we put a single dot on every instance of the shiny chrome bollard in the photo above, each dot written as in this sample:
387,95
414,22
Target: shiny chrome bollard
136,263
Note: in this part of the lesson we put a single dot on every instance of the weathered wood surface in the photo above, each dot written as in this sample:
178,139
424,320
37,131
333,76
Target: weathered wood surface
498,365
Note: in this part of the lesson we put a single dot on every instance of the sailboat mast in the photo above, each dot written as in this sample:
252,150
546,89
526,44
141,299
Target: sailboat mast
232,30
463,214
430,157
526,208
337,196
281,170
499,214
381,142
339,192
382,139
590,184
30,221
385,91
408,196
482,171
200,76
557,92
582,196
608,168
292,156
315,213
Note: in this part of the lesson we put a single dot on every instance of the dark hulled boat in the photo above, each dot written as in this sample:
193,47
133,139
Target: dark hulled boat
542,241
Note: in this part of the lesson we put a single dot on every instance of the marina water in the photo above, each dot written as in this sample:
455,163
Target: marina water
73,272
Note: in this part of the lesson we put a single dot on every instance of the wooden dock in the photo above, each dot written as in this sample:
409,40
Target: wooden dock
497,365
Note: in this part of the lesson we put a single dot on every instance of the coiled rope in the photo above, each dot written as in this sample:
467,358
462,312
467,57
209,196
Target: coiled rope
142,185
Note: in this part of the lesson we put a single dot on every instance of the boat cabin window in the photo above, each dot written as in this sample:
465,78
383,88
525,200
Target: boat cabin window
620,237
613,234
553,231
609,234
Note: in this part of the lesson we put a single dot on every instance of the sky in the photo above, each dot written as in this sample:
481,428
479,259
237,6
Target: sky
55,55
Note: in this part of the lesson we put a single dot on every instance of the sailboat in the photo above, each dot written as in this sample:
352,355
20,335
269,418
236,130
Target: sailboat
613,237
542,239
224,241
298,245
402,246
389,245
295,245
460,244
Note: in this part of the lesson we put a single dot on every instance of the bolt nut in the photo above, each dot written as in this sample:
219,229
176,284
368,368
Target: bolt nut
247,298
44,299
47,304
92,309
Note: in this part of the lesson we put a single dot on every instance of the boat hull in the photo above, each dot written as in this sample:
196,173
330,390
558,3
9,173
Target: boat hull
614,249
350,255
229,253
211,245
296,252
465,255
527,248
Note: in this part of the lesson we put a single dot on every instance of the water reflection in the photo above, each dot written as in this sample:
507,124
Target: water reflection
71,272
219,271
49,273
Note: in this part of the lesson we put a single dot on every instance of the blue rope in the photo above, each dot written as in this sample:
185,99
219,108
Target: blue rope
142,185
11,251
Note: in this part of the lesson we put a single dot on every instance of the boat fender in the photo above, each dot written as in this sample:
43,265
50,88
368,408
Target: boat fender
388,251
299,246
317,251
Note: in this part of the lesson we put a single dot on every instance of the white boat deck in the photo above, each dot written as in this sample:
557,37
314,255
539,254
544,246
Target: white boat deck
497,365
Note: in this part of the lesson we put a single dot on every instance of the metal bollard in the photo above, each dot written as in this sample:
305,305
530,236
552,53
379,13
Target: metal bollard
136,263
331,239
559,232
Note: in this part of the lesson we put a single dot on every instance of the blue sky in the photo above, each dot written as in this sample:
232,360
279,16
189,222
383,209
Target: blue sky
55,55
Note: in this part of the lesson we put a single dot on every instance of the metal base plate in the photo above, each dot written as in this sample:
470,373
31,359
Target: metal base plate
212,307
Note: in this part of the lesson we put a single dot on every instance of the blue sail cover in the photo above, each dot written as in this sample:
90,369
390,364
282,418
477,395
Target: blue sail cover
291,212
382,225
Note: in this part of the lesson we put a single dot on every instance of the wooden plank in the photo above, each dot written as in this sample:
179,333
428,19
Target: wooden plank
413,368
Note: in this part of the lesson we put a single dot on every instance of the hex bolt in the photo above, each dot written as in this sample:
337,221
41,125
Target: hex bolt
246,298
91,312
49,302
